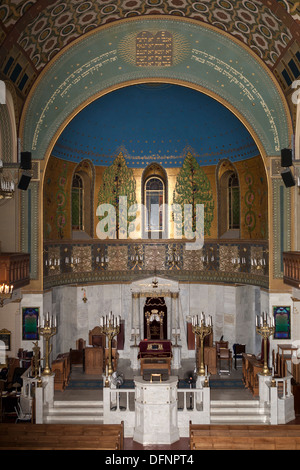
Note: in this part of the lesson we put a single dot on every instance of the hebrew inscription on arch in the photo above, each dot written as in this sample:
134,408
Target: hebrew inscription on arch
154,50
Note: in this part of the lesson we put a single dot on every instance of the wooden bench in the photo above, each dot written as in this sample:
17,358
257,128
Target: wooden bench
244,437
61,367
26,436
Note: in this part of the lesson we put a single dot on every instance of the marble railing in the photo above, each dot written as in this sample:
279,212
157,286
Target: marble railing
218,261
291,268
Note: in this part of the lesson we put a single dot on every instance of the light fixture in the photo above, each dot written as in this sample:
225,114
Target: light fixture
137,258
7,184
6,292
173,258
101,258
84,298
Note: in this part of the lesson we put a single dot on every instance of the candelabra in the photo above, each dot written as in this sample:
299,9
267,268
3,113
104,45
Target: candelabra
176,336
7,184
6,292
265,327
47,329
201,328
134,335
110,327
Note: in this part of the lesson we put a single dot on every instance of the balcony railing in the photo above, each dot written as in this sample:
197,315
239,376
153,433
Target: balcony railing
14,269
225,261
291,268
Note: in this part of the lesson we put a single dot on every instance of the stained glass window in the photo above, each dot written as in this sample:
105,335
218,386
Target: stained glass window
282,316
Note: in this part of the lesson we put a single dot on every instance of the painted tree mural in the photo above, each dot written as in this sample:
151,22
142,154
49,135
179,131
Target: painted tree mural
118,181
193,187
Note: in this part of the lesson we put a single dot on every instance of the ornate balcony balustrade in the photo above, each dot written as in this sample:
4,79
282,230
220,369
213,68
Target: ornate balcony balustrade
15,269
291,268
225,261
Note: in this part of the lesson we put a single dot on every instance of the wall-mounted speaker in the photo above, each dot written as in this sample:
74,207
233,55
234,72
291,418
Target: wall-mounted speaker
288,178
24,182
286,157
25,161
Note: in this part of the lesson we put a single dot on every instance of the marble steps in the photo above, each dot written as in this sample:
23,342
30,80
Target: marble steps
75,412
238,412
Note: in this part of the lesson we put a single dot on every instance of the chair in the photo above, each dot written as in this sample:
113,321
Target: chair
219,345
238,349
224,356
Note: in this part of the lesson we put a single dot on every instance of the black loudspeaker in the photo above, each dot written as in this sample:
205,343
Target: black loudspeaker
25,161
288,178
286,157
24,182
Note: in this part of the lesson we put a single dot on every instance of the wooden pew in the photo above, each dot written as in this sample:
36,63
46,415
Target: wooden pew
26,436
251,367
244,437
61,367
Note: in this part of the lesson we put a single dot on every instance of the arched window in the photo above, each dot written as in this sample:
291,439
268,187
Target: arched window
233,202
228,200
154,200
77,202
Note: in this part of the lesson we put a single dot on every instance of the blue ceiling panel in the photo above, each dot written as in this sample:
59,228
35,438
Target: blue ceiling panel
155,123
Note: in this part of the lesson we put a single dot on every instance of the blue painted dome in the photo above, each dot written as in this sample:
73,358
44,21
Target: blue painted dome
155,123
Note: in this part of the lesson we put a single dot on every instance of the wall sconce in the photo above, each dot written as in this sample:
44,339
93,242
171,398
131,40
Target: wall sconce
137,258
102,258
7,184
173,258
258,263
53,262
71,260
209,258
6,292
238,261
84,298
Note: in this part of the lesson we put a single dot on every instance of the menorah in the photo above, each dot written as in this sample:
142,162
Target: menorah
47,329
265,327
110,327
201,328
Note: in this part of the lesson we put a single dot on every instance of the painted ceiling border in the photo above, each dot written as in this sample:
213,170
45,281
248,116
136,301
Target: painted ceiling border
58,95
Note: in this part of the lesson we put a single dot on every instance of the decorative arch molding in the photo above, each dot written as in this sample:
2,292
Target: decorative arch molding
207,59
8,127
204,58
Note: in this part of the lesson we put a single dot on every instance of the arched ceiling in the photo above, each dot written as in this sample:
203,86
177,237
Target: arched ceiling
119,54
155,122
32,32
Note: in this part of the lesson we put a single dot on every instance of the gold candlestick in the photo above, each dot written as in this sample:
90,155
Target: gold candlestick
201,329
265,327
110,327
47,329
